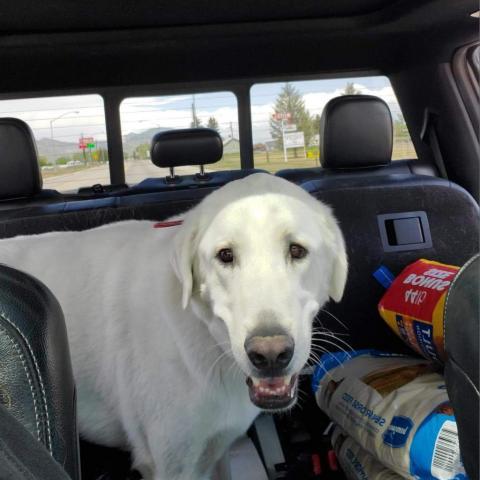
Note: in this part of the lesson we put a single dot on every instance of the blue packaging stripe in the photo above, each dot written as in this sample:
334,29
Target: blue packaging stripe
423,445
384,276
328,361
424,336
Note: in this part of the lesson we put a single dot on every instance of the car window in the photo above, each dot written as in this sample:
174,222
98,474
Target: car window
71,139
143,117
291,111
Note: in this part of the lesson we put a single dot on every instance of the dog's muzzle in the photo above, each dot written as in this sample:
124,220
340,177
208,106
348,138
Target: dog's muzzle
270,387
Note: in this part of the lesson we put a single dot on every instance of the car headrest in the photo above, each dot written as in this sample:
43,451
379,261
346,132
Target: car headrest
356,132
461,330
19,168
189,146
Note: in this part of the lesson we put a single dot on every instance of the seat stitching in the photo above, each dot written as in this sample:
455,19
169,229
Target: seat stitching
44,396
32,390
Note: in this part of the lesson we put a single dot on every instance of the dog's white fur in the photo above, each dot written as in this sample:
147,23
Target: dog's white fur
157,324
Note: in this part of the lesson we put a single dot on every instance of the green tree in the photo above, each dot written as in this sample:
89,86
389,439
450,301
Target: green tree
350,89
290,101
196,122
213,124
400,127
103,155
43,161
141,151
78,157
316,124
62,160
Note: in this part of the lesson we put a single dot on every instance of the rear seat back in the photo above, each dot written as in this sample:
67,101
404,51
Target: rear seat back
449,223
368,192
152,199
20,179
356,138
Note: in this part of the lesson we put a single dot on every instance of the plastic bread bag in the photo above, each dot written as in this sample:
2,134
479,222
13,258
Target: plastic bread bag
357,463
396,407
414,304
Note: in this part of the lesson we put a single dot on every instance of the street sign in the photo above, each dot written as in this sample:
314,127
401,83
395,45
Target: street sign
282,116
289,127
294,140
86,142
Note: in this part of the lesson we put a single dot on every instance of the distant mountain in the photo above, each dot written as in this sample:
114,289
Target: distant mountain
133,140
54,149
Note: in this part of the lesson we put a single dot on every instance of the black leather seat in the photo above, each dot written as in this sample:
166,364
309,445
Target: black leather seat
20,178
151,199
449,234
462,318
356,138
36,382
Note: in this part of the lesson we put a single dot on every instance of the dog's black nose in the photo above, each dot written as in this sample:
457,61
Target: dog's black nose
270,354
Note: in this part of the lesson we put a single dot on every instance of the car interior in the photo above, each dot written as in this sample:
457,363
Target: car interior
391,211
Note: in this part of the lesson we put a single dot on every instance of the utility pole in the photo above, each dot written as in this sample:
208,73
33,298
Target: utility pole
194,113
283,141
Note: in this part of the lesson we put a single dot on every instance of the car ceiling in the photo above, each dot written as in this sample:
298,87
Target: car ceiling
67,44
67,15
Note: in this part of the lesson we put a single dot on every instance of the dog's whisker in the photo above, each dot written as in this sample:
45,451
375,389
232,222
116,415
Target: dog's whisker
341,341
211,370
233,367
319,346
314,355
335,318
330,332
337,346
217,345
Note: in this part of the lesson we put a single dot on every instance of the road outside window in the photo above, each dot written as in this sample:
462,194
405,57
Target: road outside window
70,135
143,117
286,119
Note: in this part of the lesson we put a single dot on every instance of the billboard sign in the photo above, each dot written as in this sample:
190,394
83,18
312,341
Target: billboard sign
282,116
294,140
86,142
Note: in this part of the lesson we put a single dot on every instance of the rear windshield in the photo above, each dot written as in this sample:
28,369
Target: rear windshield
288,113
71,138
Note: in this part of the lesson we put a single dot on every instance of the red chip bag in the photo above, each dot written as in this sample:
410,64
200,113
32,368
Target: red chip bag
413,306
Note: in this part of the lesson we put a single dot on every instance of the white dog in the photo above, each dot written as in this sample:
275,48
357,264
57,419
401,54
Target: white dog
180,336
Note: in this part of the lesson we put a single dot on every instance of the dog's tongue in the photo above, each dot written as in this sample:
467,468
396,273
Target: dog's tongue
272,393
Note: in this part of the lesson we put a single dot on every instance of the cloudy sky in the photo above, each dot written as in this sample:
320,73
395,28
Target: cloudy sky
68,118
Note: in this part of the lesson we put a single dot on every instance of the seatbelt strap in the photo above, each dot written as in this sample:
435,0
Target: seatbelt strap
429,136
269,443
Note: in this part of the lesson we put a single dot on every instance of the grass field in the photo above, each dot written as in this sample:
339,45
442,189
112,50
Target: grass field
274,160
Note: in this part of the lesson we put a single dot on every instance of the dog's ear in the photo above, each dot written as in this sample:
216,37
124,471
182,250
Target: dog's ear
183,255
340,265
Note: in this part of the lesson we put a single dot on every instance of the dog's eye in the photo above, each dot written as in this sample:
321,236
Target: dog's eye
297,251
225,255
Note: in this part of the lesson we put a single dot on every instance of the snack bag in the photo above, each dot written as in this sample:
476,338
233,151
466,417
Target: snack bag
413,306
396,407
356,463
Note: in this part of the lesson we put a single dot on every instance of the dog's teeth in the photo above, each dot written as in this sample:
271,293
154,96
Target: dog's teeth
256,381
287,379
